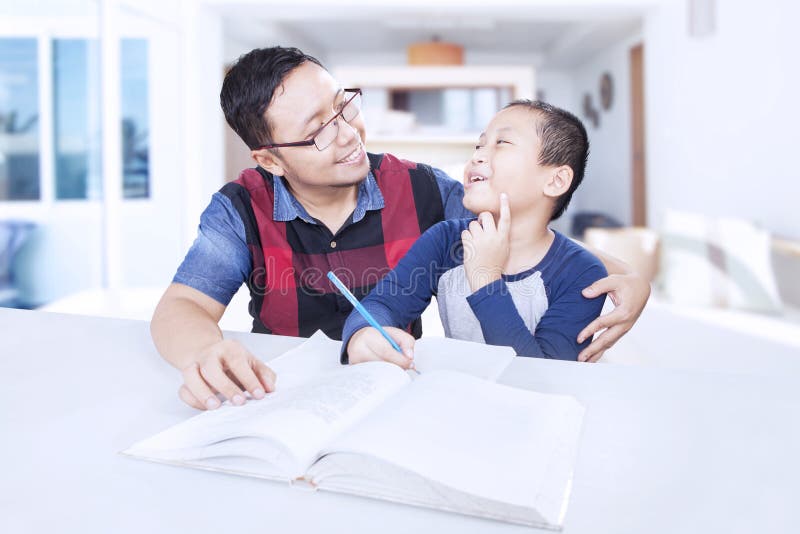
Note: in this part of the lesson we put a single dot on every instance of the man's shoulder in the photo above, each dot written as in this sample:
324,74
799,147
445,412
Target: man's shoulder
249,180
389,162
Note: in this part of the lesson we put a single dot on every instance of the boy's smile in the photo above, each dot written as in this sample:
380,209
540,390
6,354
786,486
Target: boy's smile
475,178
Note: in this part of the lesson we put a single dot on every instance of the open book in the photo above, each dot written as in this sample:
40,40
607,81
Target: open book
448,438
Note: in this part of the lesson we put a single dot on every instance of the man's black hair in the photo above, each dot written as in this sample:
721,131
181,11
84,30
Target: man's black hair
249,86
563,141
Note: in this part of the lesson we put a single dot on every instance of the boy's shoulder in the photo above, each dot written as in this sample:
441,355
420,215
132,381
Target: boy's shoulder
571,259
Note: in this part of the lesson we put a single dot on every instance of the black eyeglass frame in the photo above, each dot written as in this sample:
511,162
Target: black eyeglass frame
310,142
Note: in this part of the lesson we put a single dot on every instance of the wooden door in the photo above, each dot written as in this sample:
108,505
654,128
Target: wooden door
638,187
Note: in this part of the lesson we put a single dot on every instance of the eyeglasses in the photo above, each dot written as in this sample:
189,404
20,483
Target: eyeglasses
322,138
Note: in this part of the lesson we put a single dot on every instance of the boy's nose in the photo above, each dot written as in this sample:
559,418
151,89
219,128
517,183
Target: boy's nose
478,157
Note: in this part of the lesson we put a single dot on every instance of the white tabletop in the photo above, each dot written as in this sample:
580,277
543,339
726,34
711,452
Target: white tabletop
662,450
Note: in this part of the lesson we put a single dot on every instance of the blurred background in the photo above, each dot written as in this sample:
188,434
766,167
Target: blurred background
112,141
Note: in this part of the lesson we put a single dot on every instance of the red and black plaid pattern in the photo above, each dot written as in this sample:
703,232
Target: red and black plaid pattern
290,293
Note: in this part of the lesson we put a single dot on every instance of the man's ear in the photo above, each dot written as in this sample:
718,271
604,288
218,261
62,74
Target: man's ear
268,161
559,181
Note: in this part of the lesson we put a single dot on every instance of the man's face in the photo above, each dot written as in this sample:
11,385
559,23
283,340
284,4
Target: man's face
506,160
308,98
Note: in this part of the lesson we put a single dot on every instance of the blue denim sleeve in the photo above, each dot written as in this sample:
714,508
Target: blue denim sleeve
452,192
219,261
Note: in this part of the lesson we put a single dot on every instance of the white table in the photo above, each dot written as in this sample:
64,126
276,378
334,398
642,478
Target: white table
662,450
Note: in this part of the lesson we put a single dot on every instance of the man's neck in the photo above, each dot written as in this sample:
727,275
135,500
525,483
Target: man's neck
330,205
529,241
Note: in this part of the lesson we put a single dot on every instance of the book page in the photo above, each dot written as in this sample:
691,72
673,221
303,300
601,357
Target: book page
476,359
320,354
292,424
316,356
487,440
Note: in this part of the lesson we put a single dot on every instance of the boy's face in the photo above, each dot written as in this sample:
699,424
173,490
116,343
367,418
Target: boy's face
309,97
506,160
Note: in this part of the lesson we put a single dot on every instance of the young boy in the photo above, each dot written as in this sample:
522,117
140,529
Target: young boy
504,278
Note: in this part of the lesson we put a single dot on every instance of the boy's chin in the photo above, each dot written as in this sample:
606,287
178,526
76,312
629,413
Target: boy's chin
481,205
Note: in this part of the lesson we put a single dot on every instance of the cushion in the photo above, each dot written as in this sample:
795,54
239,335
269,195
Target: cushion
722,262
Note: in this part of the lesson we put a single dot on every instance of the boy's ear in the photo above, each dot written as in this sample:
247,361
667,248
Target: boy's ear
559,181
268,161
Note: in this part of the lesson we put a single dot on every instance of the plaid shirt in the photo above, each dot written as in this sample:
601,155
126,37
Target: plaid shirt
260,234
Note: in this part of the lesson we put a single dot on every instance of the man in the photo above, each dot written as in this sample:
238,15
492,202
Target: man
316,202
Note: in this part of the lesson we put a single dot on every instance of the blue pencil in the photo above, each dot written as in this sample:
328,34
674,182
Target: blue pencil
362,310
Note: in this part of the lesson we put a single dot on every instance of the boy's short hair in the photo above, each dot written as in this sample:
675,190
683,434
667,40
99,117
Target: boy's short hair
249,86
564,142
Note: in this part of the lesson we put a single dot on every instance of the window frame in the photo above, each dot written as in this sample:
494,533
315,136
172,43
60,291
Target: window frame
45,30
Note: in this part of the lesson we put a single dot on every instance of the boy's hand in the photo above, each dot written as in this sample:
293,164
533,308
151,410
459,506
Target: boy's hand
629,293
368,345
228,368
486,246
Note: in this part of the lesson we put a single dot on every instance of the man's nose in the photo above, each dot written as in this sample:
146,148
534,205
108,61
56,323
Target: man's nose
346,132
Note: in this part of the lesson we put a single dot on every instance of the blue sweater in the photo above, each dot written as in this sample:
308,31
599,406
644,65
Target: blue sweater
538,312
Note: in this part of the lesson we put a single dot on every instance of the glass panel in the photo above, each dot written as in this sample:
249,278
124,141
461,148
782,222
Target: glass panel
19,120
135,123
76,119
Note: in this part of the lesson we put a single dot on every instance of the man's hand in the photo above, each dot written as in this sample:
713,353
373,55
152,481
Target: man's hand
486,246
368,345
629,293
228,368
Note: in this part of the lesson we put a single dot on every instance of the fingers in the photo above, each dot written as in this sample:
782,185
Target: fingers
265,375
604,321
604,285
405,340
215,376
197,387
602,343
229,368
384,350
596,357
504,224
187,397
475,227
242,372
358,350
487,222
369,345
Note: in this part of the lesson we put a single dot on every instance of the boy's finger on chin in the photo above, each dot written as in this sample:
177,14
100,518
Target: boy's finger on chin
486,219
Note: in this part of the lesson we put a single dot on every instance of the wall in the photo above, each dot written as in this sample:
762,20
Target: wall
722,113
607,183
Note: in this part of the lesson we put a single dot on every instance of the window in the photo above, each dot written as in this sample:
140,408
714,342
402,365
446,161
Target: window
19,119
76,119
135,123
